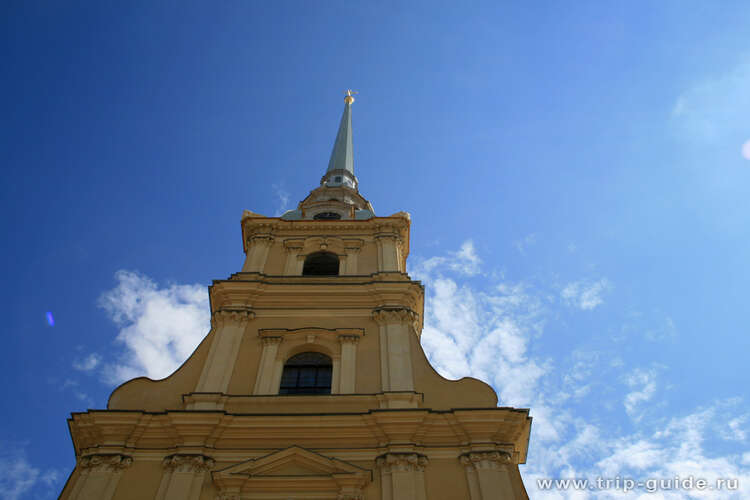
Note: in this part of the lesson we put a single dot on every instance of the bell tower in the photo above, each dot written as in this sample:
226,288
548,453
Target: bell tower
311,383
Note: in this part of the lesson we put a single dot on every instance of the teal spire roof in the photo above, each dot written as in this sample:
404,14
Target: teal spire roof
342,156
338,195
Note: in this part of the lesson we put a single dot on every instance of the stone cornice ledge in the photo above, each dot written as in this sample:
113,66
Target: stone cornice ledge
492,427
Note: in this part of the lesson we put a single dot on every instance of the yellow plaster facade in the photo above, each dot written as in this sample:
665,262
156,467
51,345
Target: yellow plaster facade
390,428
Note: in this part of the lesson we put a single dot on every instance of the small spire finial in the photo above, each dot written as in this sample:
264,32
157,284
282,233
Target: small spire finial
349,99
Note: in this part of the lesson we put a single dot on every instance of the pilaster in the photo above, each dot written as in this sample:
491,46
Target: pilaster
351,249
294,261
257,252
267,370
488,475
98,476
183,476
229,326
388,252
395,327
348,367
402,476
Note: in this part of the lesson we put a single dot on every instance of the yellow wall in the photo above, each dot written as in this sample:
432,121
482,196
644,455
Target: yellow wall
398,406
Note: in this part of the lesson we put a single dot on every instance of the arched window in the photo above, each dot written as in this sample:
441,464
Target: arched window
321,264
307,373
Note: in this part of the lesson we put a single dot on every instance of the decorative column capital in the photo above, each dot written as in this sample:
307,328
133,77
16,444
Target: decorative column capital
294,245
188,463
260,239
353,246
348,339
227,316
394,315
482,460
271,340
350,496
381,237
105,462
402,462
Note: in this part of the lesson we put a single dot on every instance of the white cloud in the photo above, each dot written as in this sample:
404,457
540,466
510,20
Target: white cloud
684,438
717,107
51,477
159,327
486,334
654,326
628,456
283,199
644,383
736,429
482,334
19,479
585,361
584,294
17,476
491,333
525,242
68,383
493,330
675,448
74,387
578,380
745,150
464,261
88,363
661,330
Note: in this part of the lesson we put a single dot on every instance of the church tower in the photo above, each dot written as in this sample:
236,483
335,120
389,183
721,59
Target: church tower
311,383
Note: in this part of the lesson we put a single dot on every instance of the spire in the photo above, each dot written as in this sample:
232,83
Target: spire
342,156
338,195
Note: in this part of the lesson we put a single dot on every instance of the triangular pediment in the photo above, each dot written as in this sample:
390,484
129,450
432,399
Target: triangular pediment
295,460
292,469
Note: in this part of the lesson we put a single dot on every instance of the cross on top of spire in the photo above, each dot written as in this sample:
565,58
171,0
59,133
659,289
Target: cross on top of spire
349,96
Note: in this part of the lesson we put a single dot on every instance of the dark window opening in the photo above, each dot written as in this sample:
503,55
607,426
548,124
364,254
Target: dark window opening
338,178
307,373
321,264
327,216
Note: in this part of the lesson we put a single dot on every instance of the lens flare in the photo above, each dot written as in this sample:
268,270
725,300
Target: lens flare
746,150
50,319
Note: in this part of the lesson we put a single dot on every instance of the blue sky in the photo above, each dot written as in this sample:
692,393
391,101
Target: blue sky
574,172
